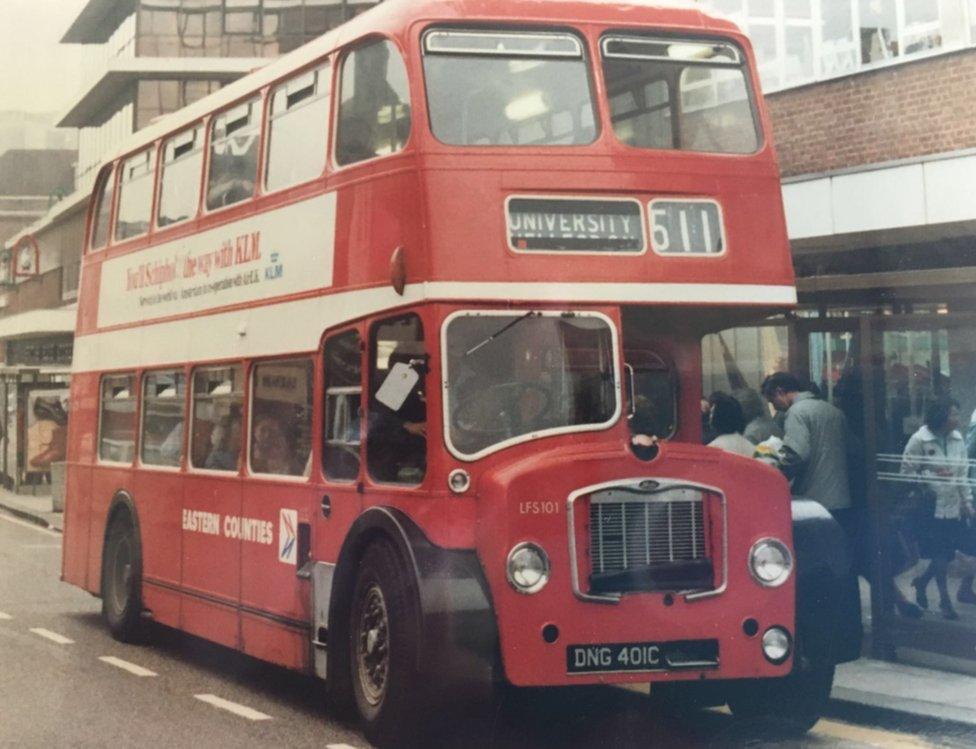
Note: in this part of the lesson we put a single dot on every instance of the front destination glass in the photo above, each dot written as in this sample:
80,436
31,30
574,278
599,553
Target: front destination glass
519,375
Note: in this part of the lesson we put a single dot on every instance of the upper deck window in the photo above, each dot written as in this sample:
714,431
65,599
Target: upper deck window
179,189
298,130
103,210
374,109
501,88
135,195
234,140
691,95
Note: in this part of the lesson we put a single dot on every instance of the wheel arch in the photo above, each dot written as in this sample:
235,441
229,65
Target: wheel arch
457,648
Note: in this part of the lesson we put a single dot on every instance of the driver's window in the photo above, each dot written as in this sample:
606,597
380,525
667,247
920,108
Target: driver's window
652,394
343,410
396,442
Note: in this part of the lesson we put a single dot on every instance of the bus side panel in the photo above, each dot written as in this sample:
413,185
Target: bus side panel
270,586
77,518
159,497
211,558
106,483
276,643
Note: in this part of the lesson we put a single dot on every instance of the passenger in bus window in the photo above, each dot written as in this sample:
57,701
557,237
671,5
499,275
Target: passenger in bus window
270,450
226,441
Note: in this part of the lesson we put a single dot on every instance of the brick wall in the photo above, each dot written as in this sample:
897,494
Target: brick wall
913,109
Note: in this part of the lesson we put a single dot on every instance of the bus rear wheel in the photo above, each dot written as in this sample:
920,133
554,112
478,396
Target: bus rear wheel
383,638
122,581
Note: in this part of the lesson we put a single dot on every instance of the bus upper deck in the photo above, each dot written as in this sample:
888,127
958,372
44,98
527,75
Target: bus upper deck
587,152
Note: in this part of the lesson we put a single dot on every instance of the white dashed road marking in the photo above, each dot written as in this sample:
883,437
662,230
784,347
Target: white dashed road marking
32,526
339,746
132,668
5,617
52,636
232,707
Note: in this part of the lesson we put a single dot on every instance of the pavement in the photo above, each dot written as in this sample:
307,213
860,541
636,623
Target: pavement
37,509
893,688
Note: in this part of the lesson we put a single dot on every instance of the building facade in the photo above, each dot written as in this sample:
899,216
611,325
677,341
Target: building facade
874,118
147,58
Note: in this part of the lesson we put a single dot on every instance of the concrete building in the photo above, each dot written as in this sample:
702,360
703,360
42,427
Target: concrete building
874,117
147,58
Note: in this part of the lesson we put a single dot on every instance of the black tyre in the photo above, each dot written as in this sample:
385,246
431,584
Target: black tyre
383,640
122,581
795,703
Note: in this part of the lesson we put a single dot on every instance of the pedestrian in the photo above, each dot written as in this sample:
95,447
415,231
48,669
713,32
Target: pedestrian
814,452
759,424
728,423
936,454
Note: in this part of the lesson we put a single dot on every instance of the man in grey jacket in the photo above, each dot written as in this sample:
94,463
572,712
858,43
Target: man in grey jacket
814,454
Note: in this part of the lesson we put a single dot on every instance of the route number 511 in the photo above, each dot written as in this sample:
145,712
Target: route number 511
687,227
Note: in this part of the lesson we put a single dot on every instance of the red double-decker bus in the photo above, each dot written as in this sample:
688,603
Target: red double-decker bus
388,368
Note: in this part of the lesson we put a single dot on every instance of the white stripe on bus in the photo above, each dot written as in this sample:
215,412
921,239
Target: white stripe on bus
296,326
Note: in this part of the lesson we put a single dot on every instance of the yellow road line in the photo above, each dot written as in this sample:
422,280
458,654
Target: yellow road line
870,736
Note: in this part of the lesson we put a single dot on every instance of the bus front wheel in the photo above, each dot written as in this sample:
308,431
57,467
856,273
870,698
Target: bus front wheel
122,580
383,637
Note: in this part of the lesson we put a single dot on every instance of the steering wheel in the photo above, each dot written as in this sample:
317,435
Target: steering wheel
502,409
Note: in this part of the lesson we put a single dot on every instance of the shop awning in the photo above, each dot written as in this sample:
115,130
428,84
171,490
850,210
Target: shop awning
38,322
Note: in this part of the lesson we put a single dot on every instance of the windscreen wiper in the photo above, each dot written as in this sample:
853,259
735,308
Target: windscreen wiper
504,328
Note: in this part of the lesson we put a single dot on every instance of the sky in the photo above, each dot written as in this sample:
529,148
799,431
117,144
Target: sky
37,73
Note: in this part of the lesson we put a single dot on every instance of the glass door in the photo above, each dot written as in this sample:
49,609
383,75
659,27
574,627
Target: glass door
922,470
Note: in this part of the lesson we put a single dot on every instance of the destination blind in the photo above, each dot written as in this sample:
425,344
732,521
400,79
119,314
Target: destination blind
575,225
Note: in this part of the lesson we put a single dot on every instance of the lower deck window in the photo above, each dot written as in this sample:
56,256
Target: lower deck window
281,418
218,400
117,419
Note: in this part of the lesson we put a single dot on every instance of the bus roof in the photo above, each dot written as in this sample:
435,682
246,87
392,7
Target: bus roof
392,16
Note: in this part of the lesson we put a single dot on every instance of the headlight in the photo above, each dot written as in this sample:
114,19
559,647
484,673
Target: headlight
770,562
776,644
527,567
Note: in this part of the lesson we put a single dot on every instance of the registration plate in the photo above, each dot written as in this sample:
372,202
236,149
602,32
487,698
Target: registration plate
641,656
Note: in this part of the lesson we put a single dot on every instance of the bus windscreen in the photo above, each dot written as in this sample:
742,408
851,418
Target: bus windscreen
690,95
513,377
487,88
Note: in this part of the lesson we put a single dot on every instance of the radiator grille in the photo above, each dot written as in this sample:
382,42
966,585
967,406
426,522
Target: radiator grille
639,532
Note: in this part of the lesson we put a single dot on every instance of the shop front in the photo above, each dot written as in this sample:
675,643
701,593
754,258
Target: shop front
34,381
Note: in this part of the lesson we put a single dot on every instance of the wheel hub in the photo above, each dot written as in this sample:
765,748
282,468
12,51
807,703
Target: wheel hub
373,653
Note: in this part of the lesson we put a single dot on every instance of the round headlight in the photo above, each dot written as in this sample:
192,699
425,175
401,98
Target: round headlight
770,562
528,568
776,644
